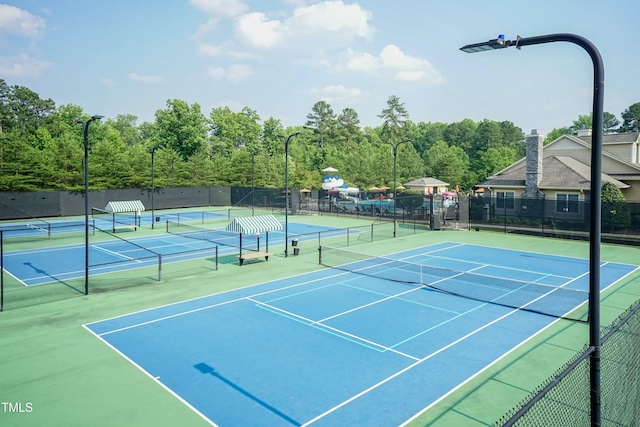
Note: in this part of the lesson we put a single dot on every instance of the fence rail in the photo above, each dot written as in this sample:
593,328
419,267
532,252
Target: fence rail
564,398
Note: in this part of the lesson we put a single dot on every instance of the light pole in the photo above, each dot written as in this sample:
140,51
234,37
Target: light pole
286,190
153,187
253,181
395,190
85,128
595,208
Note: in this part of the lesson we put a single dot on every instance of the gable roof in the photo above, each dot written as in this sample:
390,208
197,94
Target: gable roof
614,138
558,172
426,182
584,142
254,224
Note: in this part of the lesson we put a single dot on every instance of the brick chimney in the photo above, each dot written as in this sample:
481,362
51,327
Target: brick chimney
534,143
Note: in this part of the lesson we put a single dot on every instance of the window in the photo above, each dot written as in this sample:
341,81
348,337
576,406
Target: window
567,203
505,200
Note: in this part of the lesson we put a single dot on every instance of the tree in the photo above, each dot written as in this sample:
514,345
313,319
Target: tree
631,119
395,118
461,134
125,124
348,126
22,109
235,131
494,160
182,128
488,134
615,210
424,135
556,133
609,123
446,163
322,120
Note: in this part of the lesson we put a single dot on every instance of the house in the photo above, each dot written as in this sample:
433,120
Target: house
561,171
427,186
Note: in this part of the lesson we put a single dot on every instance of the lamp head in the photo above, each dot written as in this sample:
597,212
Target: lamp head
499,43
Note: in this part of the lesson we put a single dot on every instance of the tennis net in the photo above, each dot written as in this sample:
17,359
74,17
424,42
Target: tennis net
218,236
550,300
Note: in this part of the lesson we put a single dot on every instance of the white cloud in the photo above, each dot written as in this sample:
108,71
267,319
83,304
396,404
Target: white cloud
320,26
20,22
221,7
364,62
334,93
209,49
107,81
349,20
392,61
22,65
233,74
144,79
259,30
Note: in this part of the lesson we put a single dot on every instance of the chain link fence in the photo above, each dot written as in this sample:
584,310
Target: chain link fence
563,400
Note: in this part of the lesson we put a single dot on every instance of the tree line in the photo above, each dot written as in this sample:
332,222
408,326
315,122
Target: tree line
41,146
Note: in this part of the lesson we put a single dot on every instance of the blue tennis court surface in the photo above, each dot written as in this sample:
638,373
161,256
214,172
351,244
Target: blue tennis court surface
59,263
337,348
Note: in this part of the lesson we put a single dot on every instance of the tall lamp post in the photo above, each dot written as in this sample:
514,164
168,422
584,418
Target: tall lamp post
253,177
286,190
85,128
394,147
595,208
153,187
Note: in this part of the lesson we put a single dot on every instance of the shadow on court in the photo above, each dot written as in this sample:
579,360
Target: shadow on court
207,369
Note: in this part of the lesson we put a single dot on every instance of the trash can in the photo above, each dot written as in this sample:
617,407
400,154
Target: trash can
294,242
296,251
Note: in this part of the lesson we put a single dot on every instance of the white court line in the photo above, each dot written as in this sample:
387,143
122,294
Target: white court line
116,254
402,371
373,387
154,378
195,310
338,331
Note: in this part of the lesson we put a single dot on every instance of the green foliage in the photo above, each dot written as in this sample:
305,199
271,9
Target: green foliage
181,127
42,147
615,210
631,119
395,118
447,163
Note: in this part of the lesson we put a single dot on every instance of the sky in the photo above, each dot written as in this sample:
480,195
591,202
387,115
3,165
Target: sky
280,57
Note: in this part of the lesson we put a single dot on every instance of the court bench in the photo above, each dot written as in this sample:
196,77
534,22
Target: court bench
252,255
124,227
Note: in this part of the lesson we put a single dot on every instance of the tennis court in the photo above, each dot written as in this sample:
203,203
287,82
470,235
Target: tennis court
336,347
59,263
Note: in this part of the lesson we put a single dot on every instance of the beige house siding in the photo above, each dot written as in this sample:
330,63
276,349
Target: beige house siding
624,151
620,160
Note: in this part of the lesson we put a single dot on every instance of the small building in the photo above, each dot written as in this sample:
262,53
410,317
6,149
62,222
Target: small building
427,186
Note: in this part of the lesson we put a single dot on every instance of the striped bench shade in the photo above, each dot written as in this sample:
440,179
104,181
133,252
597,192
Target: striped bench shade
125,206
254,224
